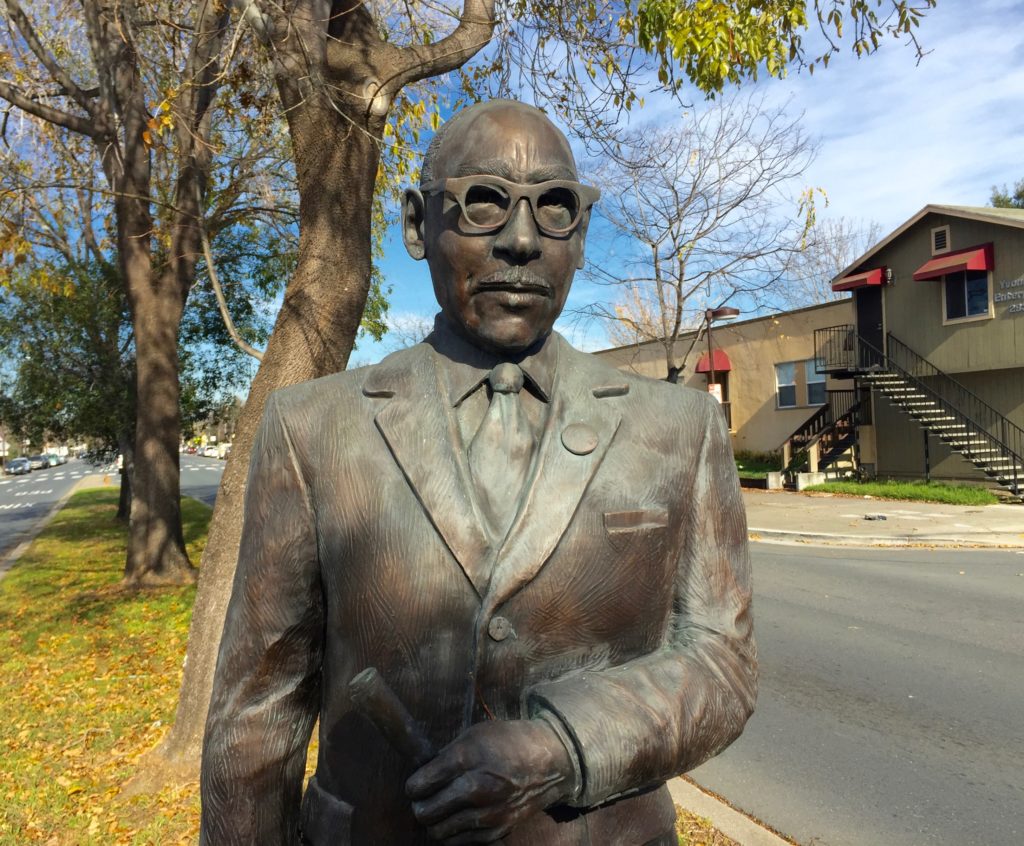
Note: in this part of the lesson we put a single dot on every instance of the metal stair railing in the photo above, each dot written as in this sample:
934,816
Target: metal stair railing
842,408
982,419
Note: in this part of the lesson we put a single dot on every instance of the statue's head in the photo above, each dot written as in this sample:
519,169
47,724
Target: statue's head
501,220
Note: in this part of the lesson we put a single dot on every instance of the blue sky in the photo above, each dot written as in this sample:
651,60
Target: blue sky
894,136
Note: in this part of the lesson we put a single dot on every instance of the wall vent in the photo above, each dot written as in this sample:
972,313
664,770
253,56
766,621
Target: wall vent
940,240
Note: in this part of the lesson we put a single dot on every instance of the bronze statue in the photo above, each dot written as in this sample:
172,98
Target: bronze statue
534,567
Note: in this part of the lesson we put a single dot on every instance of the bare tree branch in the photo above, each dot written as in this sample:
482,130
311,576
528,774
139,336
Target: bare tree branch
222,303
703,212
45,57
10,92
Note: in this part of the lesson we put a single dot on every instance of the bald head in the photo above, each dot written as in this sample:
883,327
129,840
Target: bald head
488,123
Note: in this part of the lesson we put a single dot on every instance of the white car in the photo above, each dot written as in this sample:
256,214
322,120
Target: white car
210,452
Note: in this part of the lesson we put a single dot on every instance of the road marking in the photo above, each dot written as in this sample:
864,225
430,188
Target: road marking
33,493
10,505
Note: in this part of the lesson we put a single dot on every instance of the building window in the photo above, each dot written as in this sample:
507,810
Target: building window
816,394
966,294
785,385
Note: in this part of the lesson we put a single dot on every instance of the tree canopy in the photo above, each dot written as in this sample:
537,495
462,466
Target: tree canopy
1008,198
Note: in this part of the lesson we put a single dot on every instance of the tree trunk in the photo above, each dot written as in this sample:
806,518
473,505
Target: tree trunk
313,336
156,545
124,502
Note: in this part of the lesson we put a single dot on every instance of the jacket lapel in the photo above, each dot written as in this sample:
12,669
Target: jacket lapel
422,434
579,430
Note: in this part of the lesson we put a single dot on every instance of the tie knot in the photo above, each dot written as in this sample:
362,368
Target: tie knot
506,378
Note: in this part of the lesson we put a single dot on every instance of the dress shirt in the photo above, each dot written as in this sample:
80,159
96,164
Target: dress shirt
465,367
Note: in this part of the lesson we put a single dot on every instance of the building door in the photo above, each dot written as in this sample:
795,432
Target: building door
869,316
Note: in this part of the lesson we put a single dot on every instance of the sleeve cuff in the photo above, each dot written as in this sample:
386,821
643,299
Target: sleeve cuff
552,720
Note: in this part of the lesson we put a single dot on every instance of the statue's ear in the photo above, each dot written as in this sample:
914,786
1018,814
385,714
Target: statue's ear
413,211
581,233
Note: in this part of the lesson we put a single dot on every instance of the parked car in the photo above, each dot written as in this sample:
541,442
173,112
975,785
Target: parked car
223,451
210,451
52,459
38,462
18,467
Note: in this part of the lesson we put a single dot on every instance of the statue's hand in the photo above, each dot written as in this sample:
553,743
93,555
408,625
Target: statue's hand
488,779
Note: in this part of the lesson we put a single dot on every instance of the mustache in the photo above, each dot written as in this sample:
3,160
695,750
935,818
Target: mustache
515,279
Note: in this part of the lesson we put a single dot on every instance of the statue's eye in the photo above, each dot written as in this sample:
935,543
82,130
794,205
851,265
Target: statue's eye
557,208
486,205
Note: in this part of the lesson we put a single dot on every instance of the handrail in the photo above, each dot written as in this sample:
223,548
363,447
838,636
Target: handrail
903,351
826,417
953,398
843,406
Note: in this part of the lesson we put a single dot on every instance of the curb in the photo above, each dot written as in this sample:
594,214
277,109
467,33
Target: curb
725,818
11,558
830,539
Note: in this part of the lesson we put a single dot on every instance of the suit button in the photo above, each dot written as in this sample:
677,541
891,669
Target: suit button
499,628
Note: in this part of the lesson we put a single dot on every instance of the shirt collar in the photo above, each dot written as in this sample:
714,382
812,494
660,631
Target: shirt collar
467,366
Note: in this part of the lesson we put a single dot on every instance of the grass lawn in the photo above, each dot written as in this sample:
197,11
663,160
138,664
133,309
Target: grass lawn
757,465
91,674
920,491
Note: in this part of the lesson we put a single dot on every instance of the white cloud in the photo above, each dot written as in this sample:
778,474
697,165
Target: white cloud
896,136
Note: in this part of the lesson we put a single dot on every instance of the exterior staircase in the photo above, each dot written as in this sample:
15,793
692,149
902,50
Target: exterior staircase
827,441
939,404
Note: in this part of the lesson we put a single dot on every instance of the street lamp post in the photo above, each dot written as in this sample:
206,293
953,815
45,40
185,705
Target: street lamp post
721,314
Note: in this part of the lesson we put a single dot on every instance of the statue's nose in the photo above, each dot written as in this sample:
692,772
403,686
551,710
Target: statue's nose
519,238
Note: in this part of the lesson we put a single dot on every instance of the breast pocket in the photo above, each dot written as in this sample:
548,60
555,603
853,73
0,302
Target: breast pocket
636,528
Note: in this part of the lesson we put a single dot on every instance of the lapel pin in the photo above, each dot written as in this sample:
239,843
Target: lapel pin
579,439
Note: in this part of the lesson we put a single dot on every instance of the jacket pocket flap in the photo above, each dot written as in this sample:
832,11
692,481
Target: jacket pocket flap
631,521
326,819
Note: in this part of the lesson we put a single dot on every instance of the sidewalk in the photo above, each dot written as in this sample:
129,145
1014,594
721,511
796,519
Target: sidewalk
818,518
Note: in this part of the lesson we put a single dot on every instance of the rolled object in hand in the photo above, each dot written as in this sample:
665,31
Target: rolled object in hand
376,701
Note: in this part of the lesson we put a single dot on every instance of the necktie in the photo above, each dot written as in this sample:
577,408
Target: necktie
500,454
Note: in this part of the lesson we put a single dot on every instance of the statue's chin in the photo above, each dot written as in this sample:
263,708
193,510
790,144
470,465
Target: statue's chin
506,340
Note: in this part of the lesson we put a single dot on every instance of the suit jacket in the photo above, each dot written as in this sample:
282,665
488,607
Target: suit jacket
618,607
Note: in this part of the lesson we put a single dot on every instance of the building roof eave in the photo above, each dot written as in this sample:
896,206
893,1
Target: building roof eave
1003,217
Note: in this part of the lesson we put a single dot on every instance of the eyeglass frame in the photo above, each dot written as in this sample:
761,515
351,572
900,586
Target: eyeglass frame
458,186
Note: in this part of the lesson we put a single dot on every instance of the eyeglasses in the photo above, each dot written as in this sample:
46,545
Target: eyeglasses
487,202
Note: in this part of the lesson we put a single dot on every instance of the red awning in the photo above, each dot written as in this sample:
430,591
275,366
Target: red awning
974,258
860,280
722,363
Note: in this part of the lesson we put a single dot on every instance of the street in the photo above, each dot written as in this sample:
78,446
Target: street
25,500
890,698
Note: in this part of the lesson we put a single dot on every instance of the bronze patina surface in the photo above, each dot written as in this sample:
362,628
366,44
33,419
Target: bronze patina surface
534,566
